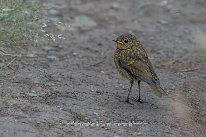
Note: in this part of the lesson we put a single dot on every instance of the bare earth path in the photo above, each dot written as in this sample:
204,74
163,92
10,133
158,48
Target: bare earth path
75,80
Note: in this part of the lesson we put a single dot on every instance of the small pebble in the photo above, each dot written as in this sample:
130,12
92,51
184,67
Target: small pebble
163,3
54,12
95,113
186,30
31,55
173,9
83,22
151,37
43,26
53,58
47,48
77,1
54,20
60,107
163,22
115,5
31,94
43,21
74,53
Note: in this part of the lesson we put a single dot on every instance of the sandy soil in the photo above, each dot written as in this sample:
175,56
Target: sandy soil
77,90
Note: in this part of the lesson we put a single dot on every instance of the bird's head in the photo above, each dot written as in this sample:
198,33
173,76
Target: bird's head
126,41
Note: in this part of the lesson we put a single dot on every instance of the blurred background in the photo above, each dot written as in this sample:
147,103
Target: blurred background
57,68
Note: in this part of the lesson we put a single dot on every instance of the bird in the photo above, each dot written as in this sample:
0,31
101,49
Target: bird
132,61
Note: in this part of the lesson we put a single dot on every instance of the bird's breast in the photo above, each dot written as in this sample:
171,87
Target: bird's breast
120,56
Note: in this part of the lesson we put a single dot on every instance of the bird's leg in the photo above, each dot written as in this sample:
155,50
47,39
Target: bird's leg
139,98
131,84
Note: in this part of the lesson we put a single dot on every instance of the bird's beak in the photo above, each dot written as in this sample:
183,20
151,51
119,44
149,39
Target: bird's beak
114,41
117,41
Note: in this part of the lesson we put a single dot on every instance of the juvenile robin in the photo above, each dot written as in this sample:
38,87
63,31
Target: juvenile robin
132,62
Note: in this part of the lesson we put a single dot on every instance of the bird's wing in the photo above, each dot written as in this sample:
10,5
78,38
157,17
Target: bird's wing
142,57
138,65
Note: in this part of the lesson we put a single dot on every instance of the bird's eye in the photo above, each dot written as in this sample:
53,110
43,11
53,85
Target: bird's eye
126,41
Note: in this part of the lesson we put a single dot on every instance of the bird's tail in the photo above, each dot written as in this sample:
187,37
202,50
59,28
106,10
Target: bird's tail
157,90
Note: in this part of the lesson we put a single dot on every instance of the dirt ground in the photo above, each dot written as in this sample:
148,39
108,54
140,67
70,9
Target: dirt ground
72,89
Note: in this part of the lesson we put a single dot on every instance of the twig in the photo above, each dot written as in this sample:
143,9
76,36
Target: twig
188,70
8,65
5,54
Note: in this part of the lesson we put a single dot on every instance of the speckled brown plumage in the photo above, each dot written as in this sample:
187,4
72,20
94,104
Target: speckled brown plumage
132,62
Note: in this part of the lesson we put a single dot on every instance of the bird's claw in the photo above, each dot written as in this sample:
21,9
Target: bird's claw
138,100
127,100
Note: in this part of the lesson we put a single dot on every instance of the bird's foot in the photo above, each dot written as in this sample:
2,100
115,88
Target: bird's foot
125,100
129,102
139,100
